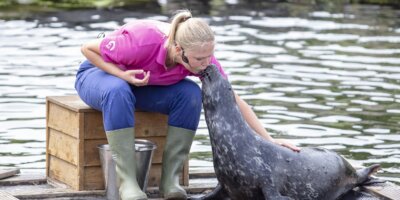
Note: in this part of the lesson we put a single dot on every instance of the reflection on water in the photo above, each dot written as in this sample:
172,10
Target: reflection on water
317,76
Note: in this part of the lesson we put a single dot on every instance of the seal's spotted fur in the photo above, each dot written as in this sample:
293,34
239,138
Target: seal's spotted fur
250,168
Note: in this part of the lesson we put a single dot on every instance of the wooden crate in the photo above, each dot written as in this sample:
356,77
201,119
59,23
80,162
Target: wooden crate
73,132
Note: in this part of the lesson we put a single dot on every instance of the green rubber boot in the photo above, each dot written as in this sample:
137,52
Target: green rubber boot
122,143
176,151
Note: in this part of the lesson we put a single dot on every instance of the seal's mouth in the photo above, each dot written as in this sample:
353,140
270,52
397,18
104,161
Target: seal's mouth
206,73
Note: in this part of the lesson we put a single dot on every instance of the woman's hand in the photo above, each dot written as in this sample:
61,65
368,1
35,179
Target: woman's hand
130,77
287,144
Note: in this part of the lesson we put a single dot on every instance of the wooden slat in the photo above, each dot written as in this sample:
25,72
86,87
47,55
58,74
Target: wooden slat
184,178
92,156
61,193
63,146
72,102
6,196
47,137
93,126
150,124
24,179
81,155
64,172
93,178
63,120
154,175
5,173
386,190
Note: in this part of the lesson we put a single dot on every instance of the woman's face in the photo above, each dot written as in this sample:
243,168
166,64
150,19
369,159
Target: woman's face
198,58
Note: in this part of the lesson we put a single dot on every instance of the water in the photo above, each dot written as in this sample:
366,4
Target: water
324,76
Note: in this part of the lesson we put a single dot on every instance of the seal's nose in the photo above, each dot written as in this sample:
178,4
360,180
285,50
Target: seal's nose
208,72
203,72
204,76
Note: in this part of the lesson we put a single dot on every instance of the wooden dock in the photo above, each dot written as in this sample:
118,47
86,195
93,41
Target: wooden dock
33,185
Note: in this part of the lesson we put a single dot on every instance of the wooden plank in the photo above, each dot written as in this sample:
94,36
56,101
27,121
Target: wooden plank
63,120
63,146
6,196
5,173
184,178
154,175
388,191
150,124
24,179
81,155
201,173
91,152
47,137
93,178
147,124
60,193
64,172
93,126
71,102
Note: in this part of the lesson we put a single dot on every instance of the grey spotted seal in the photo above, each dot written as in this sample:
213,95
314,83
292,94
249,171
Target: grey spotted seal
249,167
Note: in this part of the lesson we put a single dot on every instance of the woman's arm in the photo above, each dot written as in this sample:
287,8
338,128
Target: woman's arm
256,125
91,50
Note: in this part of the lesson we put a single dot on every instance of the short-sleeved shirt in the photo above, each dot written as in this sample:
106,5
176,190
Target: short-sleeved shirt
140,45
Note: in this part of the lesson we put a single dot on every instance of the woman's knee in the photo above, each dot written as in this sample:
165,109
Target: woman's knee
109,94
187,106
118,106
191,94
117,93
101,90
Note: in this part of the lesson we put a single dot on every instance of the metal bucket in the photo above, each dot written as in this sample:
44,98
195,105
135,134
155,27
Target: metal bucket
144,153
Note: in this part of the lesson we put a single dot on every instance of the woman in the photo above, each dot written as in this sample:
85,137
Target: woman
143,65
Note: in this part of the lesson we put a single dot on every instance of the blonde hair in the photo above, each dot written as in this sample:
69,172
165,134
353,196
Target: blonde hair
188,32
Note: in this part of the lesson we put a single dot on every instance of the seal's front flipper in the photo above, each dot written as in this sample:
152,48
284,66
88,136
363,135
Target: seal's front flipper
217,194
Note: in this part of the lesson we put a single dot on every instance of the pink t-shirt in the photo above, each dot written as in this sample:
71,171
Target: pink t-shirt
140,45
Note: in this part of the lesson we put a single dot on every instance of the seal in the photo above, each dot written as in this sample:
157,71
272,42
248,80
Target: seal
249,167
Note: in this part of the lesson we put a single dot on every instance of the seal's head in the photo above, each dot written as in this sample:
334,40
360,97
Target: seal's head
216,89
